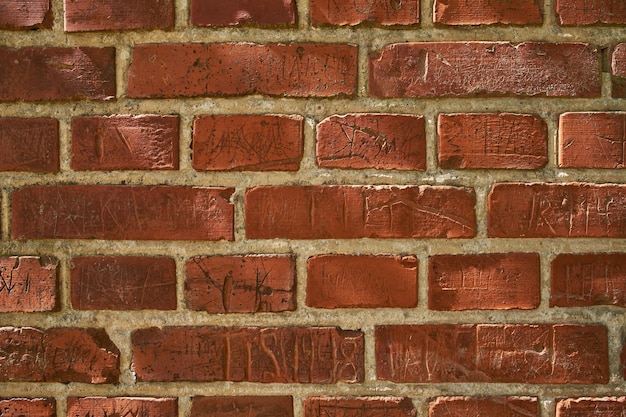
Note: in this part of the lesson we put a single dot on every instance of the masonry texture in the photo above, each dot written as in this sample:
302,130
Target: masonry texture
312,208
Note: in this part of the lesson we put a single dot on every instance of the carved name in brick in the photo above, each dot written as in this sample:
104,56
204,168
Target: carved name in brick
588,12
352,13
121,407
248,406
483,406
596,407
28,284
359,407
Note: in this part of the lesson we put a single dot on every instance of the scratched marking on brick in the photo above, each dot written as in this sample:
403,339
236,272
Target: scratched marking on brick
28,284
30,407
589,12
253,354
596,407
25,14
483,406
540,353
486,12
242,406
121,407
346,13
29,144
359,407
240,284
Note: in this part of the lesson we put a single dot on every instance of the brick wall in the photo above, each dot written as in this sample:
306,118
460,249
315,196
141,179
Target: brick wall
304,208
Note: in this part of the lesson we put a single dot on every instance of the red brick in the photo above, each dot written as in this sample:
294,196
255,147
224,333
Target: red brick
248,406
492,140
241,284
596,407
487,12
618,71
352,13
623,360
490,281
248,142
51,73
121,406
29,145
123,283
381,141
125,142
239,12
588,279
238,69
557,210
87,15
359,406
344,281
485,69
508,353
592,140
589,12
58,355
31,407
483,407
28,284
25,14
344,212
122,212
319,355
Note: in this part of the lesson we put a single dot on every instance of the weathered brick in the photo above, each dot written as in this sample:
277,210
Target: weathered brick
244,406
30,407
557,210
483,407
588,279
374,281
596,407
123,283
492,140
372,140
122,212
589,12
241,284
623,360
29,144
487,12
28,284
125,142
320,355
239,12
508,353
238,69
87,15
352,13
121,406
25,14
54,73
618,71
248,142
344,212
489,281
359,406
484,69
592,140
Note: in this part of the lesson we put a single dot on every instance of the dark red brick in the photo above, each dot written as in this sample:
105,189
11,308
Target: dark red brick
589,12
485,69
483,407
618,71
248,142
122,212
88,15
29,145
370,140
352,13
244,406
492,140
123,283
587,407
344,212
557,210
319,355
25,14
359,406
374,281
54,73
239,12
121,406
241,284
508,353
28,284
30,407
238,69
124,142
487,12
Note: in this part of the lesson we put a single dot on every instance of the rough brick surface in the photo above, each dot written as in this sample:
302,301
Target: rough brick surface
241,284
29,144
588,279
352,13
31,407
623,361
238,12
320,355
248,142
597,407
125,142
121,406
52,73
483,407
485,69
359,406
244,406
344,212
589,12
618,71
28,284
122,212
557,210
237,69
381,141
492,140
487,12
86,15
340,281
123,283
25,14
493,281
525,353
